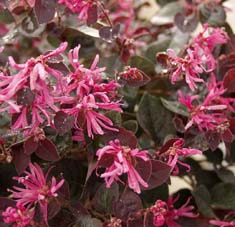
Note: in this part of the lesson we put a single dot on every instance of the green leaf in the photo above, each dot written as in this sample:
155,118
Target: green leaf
175,107
179,40
131,125
150,196
226,175
87,221
156,47
154,118
89,31
5,16
45,10
129,203
203,198
214,15
164,2
115,117
167,13
215,157
143,64
104,198
223,196
207,177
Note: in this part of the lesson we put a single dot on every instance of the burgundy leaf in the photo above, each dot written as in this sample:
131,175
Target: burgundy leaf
109,33
225,63
104,198
60,66
179,124
232,125
64,191
63,122
144,168
44,10
106,33
213,139
229,80
129,203
106,161
92,15
127,138
25,97
20,159
30,146
186,23
54,59
133,77
53,208
163,66
125,54
91,168
227,136
62,219
47,150
6,202
16,7
148,220
160,174
167,145
80,208
140,31
135,222
116,30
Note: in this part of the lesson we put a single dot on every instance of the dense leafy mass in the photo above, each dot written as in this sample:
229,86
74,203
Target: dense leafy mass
104,103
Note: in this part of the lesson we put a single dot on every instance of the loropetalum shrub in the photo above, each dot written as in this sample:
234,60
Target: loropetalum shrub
102,106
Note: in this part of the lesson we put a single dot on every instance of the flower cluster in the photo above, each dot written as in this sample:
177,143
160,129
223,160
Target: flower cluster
123,162
63,106
37,190
164,213
33,95
171,152
199,57
19,216
87,94
128,39
30,94
212,114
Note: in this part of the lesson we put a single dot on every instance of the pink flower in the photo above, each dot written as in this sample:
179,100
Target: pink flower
88,97
19,217
223,223
123,162
33,81
114,222
173,150
198,58
128,38
189,66
209,38
94,121
211,114
228,222
165,213
37,189
80,6
3,31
